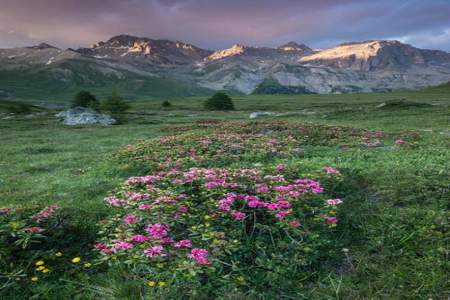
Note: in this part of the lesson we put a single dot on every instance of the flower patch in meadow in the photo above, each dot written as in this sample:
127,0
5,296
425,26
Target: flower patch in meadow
222,143
216,222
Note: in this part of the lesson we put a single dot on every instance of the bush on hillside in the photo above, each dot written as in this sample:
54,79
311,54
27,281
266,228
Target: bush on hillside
115,104
19,108
85,99
219,101
166,104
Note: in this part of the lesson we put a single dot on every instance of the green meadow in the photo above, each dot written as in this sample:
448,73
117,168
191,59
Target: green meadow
392,238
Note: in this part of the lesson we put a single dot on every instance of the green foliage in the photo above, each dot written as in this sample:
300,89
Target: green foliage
39,245
85,99
270,87
219,101
115,104
19,108
166,104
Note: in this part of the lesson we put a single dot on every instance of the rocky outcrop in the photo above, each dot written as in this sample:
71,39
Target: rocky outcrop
84,116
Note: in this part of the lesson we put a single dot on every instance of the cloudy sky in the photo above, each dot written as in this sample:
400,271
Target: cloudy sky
218,24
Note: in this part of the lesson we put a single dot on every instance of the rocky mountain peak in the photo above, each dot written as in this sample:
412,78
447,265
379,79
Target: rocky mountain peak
236,49
368,55
293,46
42,46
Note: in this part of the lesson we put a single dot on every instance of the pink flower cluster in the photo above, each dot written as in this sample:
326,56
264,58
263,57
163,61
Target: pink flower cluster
240,194
400,142
130,219
183,244
334,201
158,231
45,213
200,256
331,170
155,251
150,179
113,201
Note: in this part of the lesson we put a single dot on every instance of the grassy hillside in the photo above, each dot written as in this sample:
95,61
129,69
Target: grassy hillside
60,84
391,241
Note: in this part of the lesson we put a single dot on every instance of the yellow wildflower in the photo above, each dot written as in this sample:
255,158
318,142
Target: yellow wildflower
40,268
45,270
58,254
151,283
34,278
162,283
87,265
39,263
76,260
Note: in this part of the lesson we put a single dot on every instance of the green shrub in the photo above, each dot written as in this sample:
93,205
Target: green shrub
19,108
85,99
166,104
219,101
42,245
115,104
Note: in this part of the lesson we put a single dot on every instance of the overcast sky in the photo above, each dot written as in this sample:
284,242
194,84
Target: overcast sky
218,24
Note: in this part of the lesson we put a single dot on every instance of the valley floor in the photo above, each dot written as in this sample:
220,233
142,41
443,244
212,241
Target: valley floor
394,229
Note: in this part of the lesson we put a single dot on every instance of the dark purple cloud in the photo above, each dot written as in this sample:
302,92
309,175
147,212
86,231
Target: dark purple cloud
220,23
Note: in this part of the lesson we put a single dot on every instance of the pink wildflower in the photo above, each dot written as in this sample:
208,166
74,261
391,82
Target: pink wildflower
5,210
130,219
282,214
238,215
182,209
255,204
45,213
272,206
122,246
330,170
281,167
334,201
200,256
400,142
158,231
34,229
100,246
113,201
155,251
283,204
145,206
167,241
262,188
139,238
137,196
294,224
331,220
183,244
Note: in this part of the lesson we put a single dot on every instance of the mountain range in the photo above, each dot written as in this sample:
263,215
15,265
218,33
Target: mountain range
142,67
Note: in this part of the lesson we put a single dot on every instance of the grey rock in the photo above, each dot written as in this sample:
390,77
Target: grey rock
84,116
259,114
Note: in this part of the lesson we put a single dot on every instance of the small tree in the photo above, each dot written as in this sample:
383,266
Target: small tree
166,104
115,104
85,99
219,101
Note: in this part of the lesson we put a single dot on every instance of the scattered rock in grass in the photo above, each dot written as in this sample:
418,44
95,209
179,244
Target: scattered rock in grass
84,116
31,116
260,114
